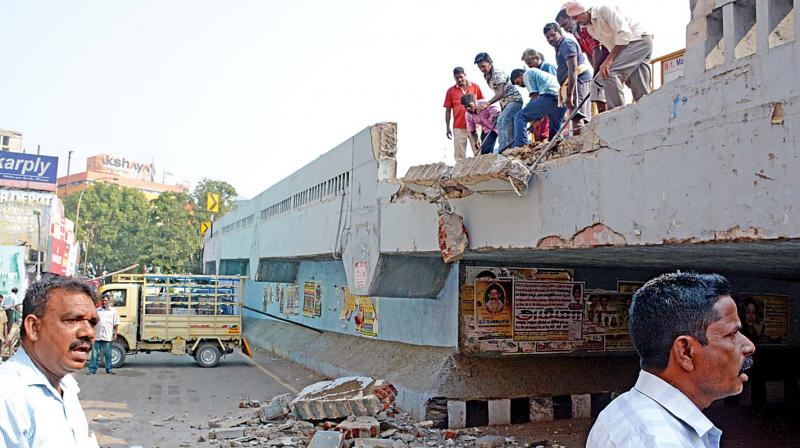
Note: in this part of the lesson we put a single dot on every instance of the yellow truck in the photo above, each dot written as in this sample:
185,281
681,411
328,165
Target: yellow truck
198,315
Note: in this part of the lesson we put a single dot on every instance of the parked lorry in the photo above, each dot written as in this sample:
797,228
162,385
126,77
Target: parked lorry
198,315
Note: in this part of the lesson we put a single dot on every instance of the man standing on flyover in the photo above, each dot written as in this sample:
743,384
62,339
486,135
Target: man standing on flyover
452,105
629,45
107,330
686,330
504,93
543,89
38,397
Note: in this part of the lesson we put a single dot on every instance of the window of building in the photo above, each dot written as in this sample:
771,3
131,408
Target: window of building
5,143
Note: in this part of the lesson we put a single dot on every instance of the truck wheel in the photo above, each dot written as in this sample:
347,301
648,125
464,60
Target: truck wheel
207,354
117,355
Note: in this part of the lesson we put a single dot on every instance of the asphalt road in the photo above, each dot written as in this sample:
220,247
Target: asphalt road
158,400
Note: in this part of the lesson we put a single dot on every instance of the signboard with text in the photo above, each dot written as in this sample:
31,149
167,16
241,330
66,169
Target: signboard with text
17,166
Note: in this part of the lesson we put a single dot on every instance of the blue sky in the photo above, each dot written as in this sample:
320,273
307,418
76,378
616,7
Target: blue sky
248,91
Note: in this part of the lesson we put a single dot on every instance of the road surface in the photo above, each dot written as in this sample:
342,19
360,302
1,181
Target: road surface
158,400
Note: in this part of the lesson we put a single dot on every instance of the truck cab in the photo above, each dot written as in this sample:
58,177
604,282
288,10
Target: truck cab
198,315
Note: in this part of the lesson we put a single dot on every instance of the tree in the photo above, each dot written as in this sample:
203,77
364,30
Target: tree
227,197
110,228
172,239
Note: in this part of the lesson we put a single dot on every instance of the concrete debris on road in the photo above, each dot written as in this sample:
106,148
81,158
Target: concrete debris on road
333,423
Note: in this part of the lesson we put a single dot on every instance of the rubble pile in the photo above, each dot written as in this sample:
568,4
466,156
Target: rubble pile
349,412
529,153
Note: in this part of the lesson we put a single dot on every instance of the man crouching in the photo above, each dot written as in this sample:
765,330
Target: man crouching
38,397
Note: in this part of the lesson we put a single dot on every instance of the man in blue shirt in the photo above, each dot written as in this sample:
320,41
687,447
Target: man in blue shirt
543,89
39,404
687,332
574,74
534,59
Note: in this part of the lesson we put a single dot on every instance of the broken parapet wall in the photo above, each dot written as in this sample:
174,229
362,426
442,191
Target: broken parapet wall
708,157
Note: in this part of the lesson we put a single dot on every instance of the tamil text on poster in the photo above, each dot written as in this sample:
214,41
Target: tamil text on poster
547,311
312,300
366,316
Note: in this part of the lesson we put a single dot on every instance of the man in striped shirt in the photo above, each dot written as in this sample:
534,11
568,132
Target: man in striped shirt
686,330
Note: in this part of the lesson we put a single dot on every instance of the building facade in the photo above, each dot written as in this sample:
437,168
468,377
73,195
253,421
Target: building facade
118,170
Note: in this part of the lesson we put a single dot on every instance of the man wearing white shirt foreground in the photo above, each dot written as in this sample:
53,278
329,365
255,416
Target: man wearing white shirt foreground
686,330
39,404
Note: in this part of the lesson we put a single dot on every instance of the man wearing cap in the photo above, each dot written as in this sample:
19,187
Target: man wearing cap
504,93
593,50
453,107
629,45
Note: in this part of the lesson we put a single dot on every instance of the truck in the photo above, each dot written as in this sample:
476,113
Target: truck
198,315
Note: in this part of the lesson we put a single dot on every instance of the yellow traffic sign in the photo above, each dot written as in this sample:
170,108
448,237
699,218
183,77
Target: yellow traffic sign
212,202
204,226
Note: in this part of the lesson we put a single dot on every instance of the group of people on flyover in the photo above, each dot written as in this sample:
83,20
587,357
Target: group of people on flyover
598,51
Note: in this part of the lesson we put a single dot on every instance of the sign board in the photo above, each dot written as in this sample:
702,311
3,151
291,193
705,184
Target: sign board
63,256
212,202
121,166
28,167
204,226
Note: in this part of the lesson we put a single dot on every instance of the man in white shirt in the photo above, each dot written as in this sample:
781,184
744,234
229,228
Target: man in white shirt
107,330
39,404
629,46
686,330
10,302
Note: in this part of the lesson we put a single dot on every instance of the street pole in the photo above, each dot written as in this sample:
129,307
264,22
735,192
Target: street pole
38,244
69,161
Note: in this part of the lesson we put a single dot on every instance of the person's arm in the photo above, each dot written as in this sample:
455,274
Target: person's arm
472,130
116,332
572,81
605,67
597,58
447,114
499,92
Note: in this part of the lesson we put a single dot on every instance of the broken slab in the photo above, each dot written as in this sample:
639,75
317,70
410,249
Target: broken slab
482,174
278,407
343,397
360,427
453,239
327,439
226,433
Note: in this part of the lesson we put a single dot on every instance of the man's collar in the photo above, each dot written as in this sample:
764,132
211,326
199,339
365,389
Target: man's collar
31,375
674,401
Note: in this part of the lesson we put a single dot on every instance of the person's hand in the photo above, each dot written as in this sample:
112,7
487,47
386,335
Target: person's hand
449,134
605,68
571,100
482,107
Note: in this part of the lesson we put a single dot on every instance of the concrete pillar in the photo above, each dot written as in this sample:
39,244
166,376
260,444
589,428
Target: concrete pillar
729,23
763,25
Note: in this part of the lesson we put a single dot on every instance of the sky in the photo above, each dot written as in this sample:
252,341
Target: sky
249,91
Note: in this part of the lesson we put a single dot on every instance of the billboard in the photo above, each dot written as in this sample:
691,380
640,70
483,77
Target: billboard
63,256
12,269
17,166
18,223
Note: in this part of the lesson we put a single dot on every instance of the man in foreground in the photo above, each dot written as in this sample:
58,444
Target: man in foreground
106,332
38,397
686,330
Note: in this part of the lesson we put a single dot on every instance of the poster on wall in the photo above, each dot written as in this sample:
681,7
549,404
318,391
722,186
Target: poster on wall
628,286
366,316
547,311
493,308
360,270
765,317
348,305
606,316
540,274
291,299
312,300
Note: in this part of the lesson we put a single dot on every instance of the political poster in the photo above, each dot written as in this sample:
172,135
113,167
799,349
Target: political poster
547,311
366,317
493,308
765,317
291,299
312,303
